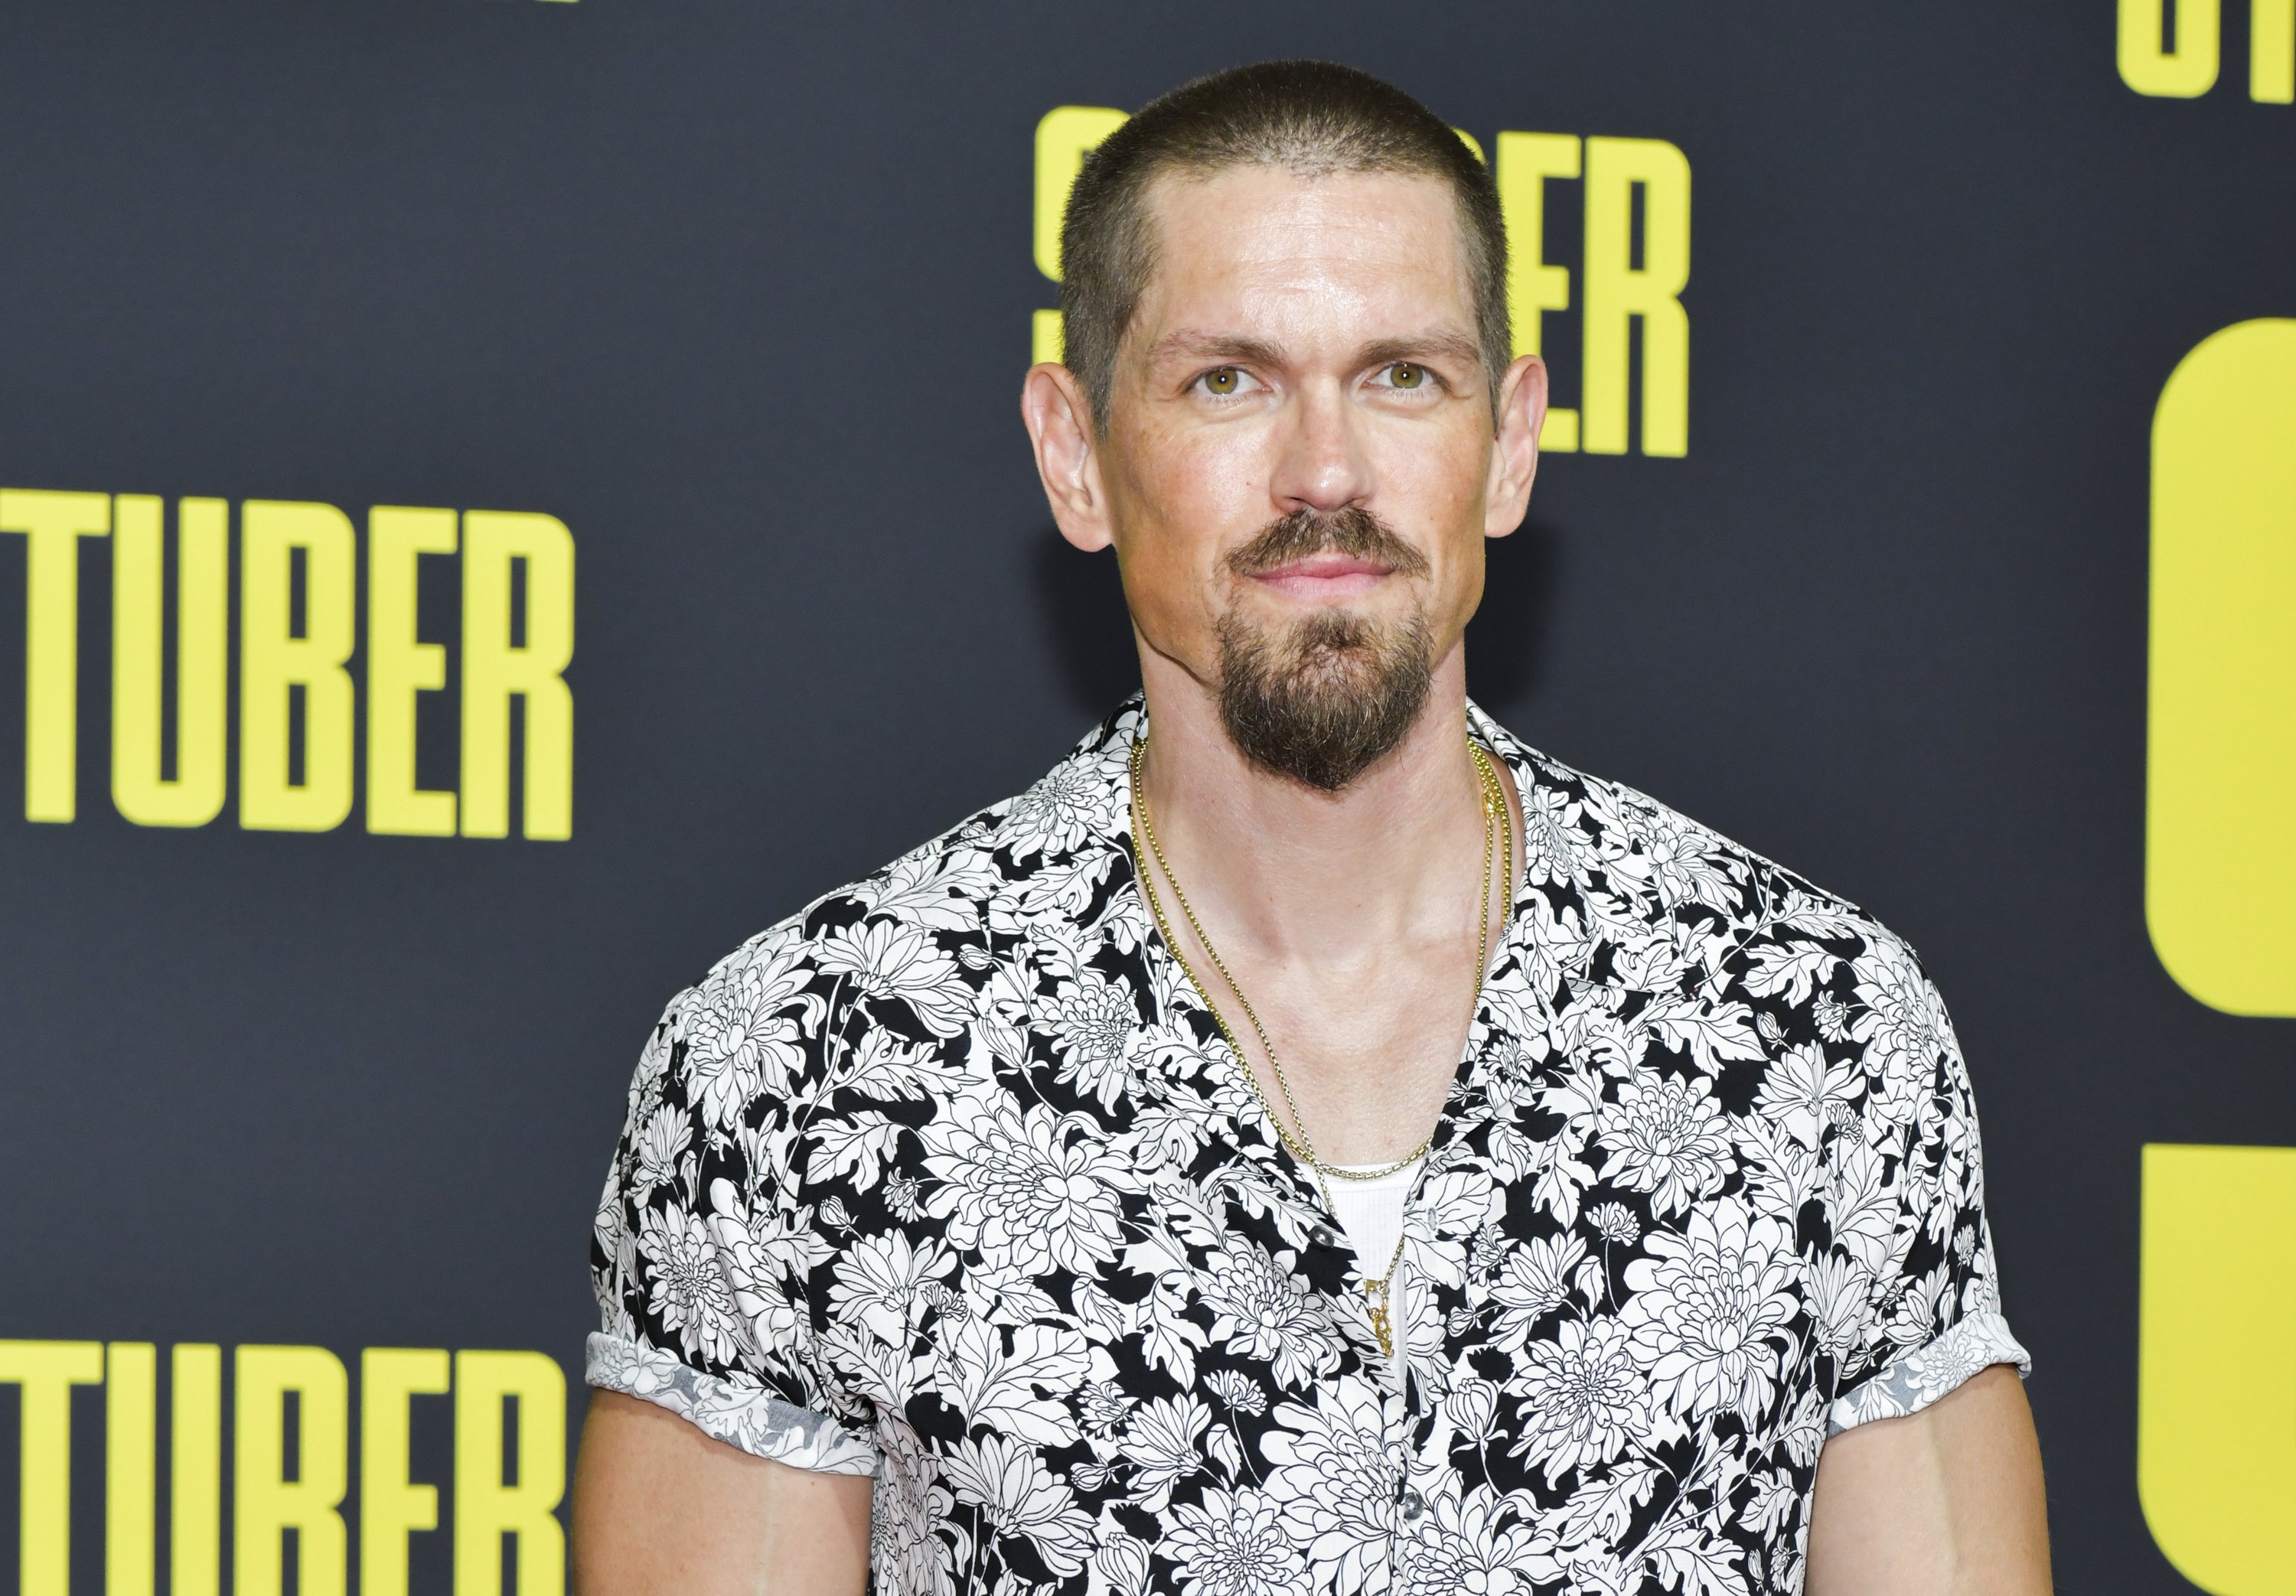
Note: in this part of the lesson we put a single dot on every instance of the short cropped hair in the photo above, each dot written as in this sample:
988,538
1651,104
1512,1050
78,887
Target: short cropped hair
1309,118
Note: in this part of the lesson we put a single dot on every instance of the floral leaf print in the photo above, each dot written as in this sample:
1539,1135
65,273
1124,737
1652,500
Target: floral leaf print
1604,1507
886,1069
1696,1563
1457,1202
931,888
857,1147
1170,1339
1016,1381
1789,971
1712,1034
1781,1173
1866,1208
878,1281
1069,891
1224,1448
1817,916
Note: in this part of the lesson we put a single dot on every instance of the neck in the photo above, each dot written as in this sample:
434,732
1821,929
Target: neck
1293,874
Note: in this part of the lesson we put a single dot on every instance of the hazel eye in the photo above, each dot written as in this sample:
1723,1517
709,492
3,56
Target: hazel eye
1225,382
1403,374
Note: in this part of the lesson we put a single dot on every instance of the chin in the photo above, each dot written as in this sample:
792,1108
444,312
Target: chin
1368,611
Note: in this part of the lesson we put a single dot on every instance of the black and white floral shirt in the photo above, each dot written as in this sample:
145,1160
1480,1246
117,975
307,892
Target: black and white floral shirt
950,1180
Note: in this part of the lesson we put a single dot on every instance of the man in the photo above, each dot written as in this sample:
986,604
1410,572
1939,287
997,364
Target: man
1310,1141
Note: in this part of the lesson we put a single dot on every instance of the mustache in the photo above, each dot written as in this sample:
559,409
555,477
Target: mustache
1351,530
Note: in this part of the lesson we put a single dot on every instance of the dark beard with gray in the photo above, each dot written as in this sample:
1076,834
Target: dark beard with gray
1326,698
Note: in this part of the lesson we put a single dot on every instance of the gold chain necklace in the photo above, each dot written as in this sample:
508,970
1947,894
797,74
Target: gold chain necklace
1498,828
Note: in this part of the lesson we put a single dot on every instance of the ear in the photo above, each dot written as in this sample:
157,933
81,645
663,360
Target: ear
1514,456
1058,419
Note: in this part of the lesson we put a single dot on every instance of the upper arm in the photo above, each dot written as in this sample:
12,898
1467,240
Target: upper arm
1946,1500
659,1506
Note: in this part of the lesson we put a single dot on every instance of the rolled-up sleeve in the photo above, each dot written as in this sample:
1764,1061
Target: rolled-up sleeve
1910,1268
703,1237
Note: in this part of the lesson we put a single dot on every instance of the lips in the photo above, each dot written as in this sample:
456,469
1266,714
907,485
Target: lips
1325,568
1331,575
1328,576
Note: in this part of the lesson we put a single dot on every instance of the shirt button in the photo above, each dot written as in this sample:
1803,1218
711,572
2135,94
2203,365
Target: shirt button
1323,1235
1413,1505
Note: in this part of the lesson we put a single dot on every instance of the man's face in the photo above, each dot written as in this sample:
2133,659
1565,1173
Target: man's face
1298,460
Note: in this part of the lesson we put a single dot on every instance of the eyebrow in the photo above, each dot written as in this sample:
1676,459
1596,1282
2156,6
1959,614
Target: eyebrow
1209,345
1456,346
1254,351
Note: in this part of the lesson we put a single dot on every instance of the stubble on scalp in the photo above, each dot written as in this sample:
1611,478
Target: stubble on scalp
1323,699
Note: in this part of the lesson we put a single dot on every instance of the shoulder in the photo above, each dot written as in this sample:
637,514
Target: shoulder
1746,959
904,954
1816,1027
886,942
1652,862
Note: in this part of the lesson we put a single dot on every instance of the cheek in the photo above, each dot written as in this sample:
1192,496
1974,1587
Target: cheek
1203,495
1438,469
1435,488
1213,479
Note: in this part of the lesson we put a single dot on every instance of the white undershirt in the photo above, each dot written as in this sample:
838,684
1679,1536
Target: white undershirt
1371,1212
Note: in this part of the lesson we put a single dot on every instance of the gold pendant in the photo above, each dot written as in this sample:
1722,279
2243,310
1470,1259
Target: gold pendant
1375,1298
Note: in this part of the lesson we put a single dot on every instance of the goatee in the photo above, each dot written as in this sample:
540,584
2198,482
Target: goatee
1325,699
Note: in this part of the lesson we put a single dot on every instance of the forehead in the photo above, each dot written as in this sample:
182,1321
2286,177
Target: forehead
1271,253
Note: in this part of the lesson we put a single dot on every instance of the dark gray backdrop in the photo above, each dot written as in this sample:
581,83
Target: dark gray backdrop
740,292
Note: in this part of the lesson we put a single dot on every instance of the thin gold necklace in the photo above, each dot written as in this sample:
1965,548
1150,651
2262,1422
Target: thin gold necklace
1498,829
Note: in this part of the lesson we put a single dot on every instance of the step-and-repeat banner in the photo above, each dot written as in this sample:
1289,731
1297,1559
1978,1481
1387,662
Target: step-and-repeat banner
500,500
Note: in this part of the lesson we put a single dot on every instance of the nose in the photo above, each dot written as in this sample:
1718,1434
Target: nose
1320,463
